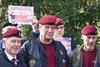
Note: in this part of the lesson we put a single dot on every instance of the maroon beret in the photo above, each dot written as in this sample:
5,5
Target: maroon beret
12,33
48,19
59,21
89,30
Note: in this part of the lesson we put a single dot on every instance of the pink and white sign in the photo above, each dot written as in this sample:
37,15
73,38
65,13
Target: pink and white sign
20,14
66,41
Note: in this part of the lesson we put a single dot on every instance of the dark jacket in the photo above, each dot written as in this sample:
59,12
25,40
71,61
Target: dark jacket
97,64
34,54
35,34
76,57
1,43
5,62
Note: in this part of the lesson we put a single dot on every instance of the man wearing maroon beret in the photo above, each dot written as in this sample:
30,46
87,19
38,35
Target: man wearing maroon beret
59,30
5,27
58,35
44,51
9,56
87,55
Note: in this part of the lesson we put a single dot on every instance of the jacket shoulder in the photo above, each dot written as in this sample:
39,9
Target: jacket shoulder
76,51
58,43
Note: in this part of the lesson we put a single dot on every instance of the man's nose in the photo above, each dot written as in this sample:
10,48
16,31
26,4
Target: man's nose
59,29
50,29
91,39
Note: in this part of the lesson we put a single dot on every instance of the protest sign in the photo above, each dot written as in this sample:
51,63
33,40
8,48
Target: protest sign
20,14
66,41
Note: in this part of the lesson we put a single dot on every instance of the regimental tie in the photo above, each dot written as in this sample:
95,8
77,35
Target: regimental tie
14,61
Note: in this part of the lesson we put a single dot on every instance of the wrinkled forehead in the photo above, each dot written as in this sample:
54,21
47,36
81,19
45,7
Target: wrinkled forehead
89,36
12,38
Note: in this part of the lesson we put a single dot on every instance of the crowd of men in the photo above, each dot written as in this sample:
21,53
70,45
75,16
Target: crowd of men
43,50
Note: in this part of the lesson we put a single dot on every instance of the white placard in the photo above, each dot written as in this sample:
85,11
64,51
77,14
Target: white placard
66,41
20,14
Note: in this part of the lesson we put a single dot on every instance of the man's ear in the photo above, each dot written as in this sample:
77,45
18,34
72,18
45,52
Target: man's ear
3,41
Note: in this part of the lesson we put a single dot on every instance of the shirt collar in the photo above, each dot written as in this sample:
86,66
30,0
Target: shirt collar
9,56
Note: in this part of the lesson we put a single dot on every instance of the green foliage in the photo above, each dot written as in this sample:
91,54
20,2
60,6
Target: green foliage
26,31
74,13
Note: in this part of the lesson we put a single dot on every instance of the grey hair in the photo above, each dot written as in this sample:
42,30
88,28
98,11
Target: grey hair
4,39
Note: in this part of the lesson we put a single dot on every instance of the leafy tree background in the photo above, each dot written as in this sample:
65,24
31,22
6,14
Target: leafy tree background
76,13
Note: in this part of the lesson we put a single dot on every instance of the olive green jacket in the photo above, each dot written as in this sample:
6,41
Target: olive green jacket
76,57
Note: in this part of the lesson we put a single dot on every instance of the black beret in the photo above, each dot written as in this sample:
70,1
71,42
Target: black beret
9,24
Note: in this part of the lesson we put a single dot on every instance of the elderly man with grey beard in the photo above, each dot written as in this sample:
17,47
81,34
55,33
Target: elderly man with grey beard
88,54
